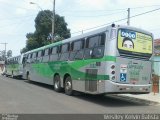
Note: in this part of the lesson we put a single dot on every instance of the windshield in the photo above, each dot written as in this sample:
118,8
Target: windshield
135,42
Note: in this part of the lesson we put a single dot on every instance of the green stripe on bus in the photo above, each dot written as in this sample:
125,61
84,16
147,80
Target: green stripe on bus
80,63
63,67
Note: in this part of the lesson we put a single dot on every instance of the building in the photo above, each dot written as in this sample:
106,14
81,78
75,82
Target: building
156,61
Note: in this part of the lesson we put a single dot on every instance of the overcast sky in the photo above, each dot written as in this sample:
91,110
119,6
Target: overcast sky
17,17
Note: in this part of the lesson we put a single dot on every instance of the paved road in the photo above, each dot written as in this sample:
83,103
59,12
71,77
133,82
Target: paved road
21,96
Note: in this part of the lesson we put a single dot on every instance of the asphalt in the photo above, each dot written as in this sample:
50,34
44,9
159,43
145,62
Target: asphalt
22,96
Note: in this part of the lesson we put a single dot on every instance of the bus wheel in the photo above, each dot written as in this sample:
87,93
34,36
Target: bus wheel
27,76
12,75
68,86
57,83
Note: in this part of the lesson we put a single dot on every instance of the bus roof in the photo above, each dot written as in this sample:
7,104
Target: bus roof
88,34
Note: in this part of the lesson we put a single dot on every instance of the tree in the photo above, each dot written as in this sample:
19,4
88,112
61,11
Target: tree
3,55
9,53
43,26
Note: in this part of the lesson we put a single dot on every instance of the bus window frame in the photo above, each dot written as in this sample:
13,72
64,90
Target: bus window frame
61,52
91,50
54,56
75,52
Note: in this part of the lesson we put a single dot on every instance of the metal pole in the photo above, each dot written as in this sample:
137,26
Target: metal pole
52,18
5,44
128,21
5,50
53,21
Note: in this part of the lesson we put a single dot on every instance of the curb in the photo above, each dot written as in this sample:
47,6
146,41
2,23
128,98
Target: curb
133,99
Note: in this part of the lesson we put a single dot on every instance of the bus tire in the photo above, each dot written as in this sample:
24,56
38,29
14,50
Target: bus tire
27,76
12,75
57,83
68,86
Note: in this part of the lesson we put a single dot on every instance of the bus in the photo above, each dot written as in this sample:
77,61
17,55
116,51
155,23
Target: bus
14,66
112,59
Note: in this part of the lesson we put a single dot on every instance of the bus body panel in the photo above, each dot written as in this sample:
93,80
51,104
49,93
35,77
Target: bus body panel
113,87
132,71
14,66
132,76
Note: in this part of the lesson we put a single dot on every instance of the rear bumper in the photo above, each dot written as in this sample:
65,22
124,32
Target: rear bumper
112,87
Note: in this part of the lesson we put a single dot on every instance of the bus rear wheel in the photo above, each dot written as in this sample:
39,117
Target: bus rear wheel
12,75
57,83
68,86
27,76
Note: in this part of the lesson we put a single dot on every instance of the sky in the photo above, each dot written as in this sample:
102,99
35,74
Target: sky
17,17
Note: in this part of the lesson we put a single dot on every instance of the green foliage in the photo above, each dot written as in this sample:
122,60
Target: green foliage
43,26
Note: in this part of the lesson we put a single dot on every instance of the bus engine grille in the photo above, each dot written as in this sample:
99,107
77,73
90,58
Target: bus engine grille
91,80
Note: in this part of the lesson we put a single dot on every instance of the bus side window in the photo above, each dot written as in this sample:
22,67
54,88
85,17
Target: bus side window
103,37
46,55
64,52
26,58
39,56
15,60
34,57
29,58
77,50
95,46
54,53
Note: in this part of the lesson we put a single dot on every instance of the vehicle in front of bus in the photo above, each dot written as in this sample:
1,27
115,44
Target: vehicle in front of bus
14,66
113,59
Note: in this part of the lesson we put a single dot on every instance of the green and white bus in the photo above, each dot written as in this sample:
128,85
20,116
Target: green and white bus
14,66
113,59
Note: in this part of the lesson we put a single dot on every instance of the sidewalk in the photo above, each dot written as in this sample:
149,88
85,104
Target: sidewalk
147,97
150,98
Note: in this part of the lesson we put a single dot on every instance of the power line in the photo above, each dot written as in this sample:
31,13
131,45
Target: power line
11,4
145,6
118,20
145,12
95,15
108,10
11,18
15,22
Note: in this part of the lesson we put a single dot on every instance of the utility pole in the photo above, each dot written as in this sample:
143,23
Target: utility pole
5,44
82,31
128,20
53,21
51,18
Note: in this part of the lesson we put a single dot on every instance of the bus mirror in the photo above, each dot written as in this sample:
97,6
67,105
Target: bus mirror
91,52
96,52
23,60
5,62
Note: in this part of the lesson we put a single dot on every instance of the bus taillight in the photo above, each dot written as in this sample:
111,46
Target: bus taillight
113,72
113,66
